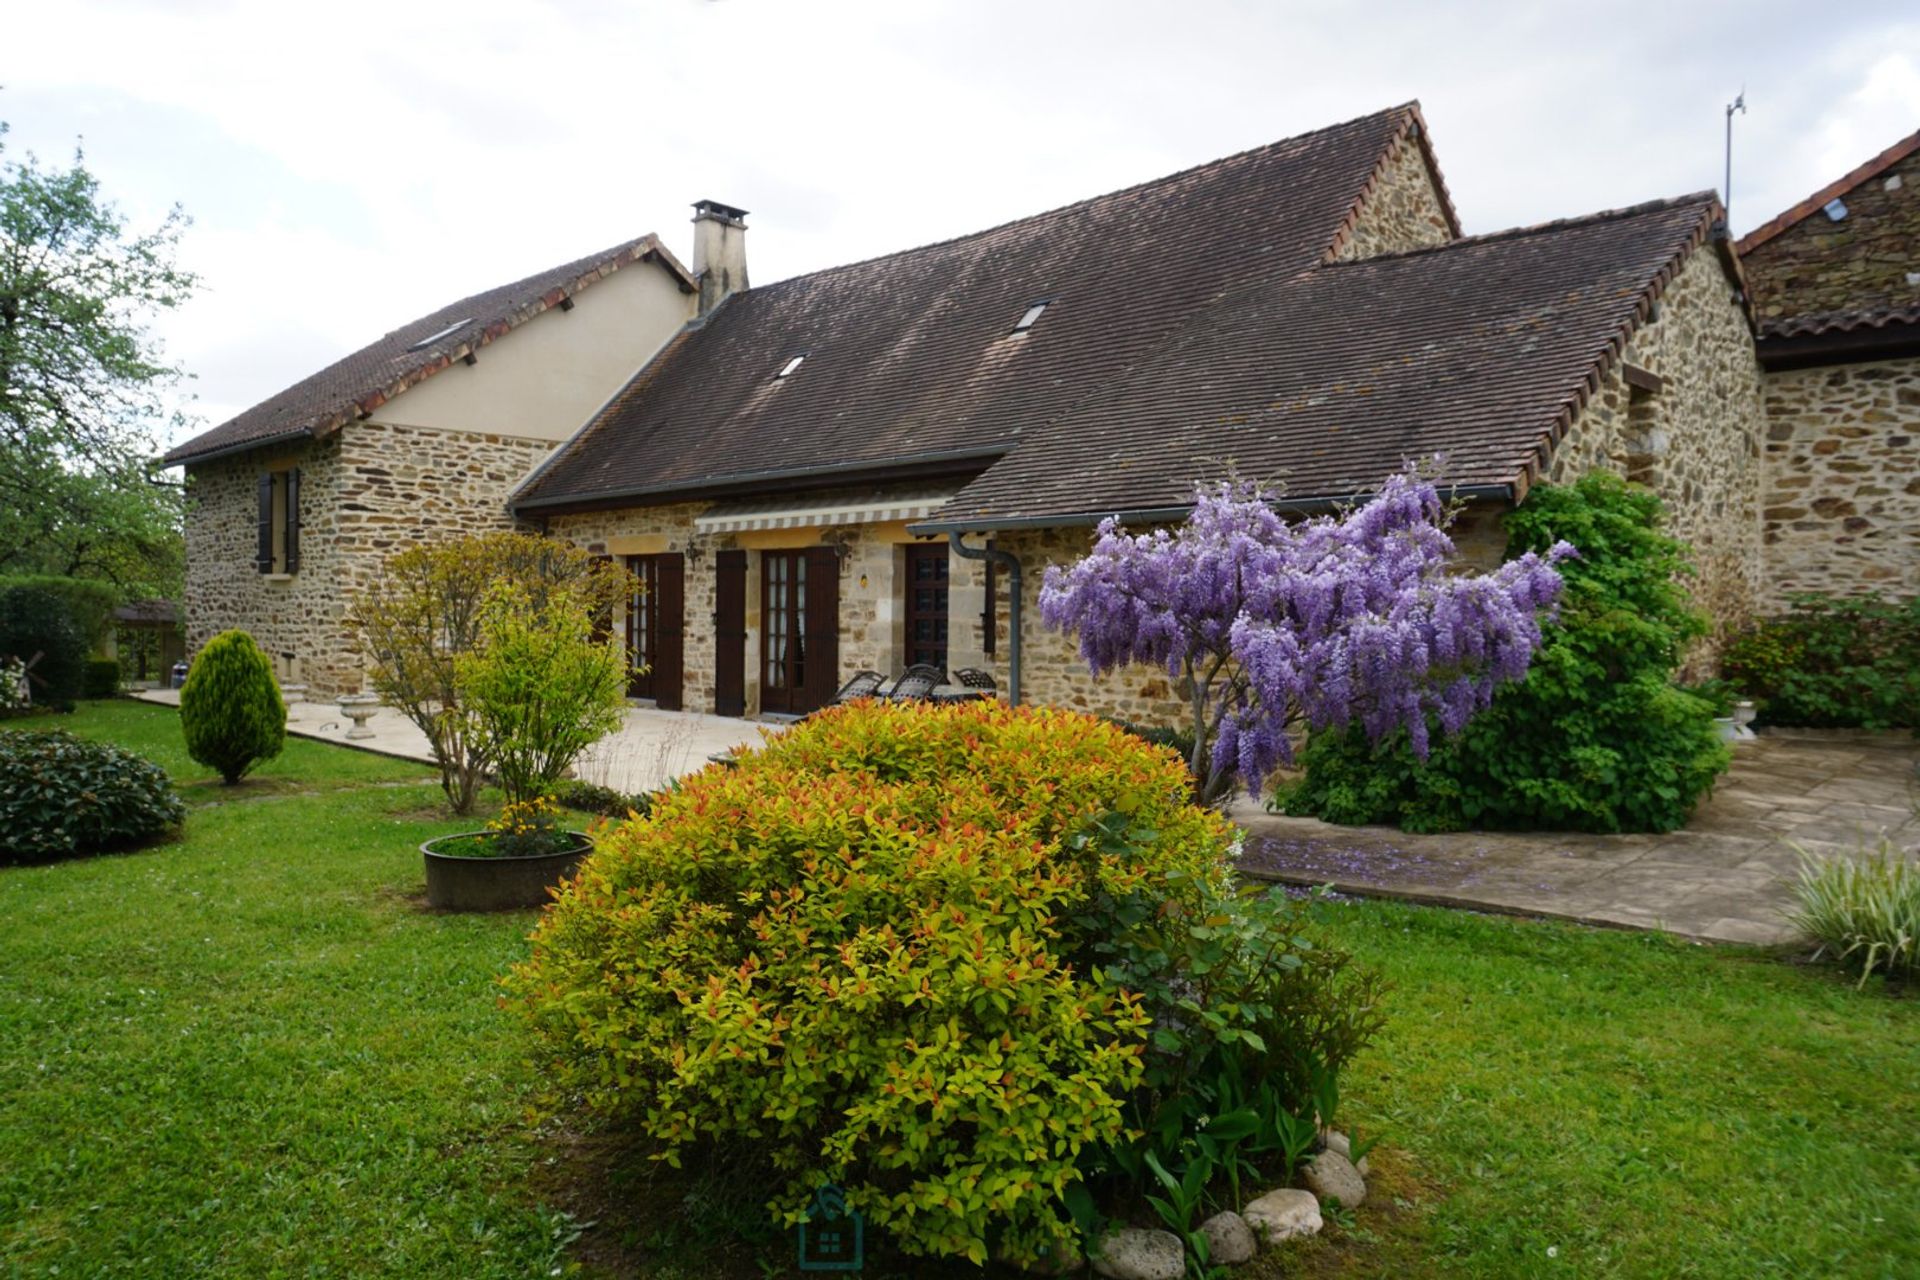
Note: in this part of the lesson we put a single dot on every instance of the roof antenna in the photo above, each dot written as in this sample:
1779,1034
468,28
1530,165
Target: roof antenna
1739,104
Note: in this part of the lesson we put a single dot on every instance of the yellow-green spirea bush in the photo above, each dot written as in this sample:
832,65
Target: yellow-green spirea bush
853,953
231,712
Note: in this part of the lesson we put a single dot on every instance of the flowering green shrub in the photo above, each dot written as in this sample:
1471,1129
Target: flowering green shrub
60,795
1597,737
1832,662
855,952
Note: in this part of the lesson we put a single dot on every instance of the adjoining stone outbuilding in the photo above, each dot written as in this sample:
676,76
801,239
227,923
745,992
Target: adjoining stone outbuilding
1836,285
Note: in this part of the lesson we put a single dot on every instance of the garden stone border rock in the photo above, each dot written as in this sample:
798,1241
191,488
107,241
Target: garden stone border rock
1229,1239
1135,1253
1334,1140
1331,1176
1284,1215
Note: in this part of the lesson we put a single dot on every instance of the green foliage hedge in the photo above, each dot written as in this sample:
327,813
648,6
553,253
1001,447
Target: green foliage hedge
61,796
1832,662
230,707
1596,738
89,602
102,678
37,619
864,953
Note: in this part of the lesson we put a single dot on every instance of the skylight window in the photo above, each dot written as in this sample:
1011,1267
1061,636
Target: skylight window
447,332
791,365
1032,314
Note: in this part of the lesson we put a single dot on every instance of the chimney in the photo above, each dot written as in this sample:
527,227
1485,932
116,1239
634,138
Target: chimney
719,251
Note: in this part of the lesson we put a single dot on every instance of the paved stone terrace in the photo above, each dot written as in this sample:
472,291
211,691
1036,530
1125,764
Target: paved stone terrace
1722,878
652,748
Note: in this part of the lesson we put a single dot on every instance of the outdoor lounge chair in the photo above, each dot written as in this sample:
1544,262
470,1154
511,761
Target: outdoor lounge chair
975,678
863,684
916,683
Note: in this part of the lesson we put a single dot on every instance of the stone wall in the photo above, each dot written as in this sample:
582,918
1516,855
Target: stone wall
1858,263
1843,480
366,492
1695,442
1401,212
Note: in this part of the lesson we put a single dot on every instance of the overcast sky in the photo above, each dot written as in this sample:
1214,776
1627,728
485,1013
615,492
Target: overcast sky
351,165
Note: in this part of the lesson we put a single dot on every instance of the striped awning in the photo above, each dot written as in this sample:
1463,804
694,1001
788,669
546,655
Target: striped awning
739,517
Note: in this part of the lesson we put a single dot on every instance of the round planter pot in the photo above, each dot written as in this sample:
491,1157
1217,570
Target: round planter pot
459,883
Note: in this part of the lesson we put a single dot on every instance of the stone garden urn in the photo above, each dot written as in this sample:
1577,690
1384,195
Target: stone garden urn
359,708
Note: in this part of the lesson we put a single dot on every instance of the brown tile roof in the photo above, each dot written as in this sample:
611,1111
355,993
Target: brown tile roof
1813,323
1484,349
1838,187
360,383
911,358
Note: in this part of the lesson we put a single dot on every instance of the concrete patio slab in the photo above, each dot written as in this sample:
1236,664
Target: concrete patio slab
1723,878
651,748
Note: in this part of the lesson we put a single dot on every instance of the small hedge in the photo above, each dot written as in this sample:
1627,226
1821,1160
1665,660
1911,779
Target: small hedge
861,954
230,708
1598,737
1832,662
60,796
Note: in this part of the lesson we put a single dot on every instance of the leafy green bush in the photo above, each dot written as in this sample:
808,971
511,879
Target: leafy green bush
1832,662
60,796
102,678
856,952
1863,910
540,687
37,627
230,708
1253,1019
1596,738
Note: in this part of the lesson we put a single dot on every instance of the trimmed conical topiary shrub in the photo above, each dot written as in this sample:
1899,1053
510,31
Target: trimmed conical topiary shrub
230,707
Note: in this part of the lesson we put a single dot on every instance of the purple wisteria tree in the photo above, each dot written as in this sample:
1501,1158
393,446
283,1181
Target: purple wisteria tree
1271,625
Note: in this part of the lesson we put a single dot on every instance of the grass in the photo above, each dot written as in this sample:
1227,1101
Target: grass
250,1053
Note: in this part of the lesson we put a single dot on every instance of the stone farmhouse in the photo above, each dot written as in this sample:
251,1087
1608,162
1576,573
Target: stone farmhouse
1836,288
872,465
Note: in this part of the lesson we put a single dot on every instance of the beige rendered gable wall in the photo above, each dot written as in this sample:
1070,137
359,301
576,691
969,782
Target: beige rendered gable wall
435,462
1401,212
1697,441
547,377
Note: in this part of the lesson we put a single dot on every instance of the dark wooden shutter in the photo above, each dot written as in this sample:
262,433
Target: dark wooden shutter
263,561
293,520
603,618
822,628
670,604
730,633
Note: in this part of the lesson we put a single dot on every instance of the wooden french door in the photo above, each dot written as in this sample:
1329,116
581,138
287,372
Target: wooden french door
730,633
656,628
926,605
799,629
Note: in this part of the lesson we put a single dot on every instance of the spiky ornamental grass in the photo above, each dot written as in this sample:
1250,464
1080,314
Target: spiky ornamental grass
230,707
1271,624
1862,910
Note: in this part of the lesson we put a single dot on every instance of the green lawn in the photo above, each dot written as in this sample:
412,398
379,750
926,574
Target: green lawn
250,1053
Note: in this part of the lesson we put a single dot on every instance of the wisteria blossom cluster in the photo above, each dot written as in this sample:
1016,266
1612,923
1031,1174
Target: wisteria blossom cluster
1271,624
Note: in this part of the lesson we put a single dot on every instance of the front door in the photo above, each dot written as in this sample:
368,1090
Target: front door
799,629
656,628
